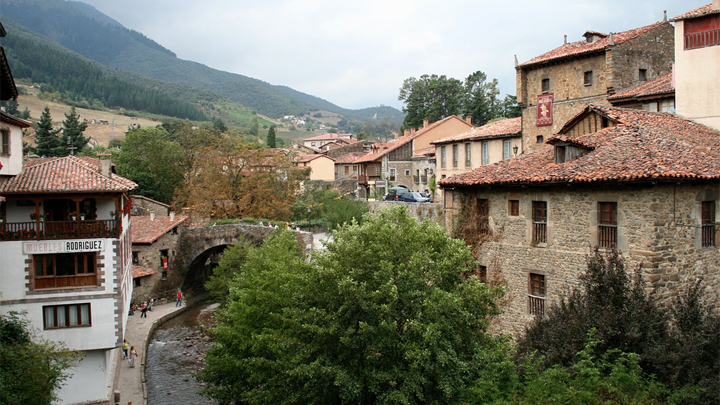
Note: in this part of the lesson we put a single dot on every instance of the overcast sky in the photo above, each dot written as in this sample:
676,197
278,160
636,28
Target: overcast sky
356,54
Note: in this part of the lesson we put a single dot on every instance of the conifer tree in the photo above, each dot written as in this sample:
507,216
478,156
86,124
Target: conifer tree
72,133
47,141
271,137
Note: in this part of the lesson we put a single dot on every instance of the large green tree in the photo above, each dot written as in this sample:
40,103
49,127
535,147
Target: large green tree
382,315
30,369
47,141
72,133
153,161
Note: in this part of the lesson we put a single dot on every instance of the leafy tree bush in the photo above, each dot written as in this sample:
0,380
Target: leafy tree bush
381,316
30,371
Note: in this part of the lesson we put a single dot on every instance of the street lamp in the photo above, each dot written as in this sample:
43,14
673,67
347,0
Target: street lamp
515,149
309,210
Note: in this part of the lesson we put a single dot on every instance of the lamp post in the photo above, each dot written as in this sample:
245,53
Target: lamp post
515,149
309,210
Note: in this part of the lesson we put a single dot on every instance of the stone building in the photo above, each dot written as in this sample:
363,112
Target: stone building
641,182
554,86
154,245
490,143
656,95
697,58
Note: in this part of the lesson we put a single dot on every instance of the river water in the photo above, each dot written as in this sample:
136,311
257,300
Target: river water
175,353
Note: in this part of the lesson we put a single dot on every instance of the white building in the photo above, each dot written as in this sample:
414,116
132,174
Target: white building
66,260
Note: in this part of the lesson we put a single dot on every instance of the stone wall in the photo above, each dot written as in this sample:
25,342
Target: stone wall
658,232
421,211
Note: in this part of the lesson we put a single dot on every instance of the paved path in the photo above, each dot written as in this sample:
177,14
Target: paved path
130,382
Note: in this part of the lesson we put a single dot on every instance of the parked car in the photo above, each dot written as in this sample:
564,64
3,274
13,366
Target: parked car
394,193
413,196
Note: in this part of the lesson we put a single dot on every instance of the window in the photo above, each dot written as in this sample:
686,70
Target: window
136,281
506,149
347,169
4,143
539,218
407,172
479,271
708,223
559,154
66,316
642,75
539,139
607,224
485,153
545,87
65,270
514,208
483,213
588,78
391,174
536,296
136,258
455,155
442,156
354,168
468,156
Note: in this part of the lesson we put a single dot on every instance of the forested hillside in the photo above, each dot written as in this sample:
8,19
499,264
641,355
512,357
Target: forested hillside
85,30
85,83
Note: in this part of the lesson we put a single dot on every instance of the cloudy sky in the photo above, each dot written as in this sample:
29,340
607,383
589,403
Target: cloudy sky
356,54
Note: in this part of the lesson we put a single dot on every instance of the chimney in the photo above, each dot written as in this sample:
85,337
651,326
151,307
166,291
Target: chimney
611,41
105,164
716,5
468,119
152,215
565,39
425,123
407,132
516,61
664,15
172,216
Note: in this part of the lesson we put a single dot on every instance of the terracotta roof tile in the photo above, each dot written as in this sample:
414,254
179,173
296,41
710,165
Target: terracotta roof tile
349,157
310,157
326,137
642,146
583,47
147,231
698,12
142,271
661,85
495,129
63,175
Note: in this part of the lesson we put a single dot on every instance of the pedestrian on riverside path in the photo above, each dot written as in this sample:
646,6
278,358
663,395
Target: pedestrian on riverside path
126,347
133,356
143,310
178,303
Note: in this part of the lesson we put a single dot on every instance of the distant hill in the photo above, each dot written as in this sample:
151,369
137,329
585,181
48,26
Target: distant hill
83,29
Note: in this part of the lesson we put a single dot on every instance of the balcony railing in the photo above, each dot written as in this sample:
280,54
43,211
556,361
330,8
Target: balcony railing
59,230
702,39
539,232
708,235
536,305
420,179
607,236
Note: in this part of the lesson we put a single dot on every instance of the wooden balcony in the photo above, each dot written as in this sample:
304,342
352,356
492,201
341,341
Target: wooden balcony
607,237
539,232
536,305
708,235
39,230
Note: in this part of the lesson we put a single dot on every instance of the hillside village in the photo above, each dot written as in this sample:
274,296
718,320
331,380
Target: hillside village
617,149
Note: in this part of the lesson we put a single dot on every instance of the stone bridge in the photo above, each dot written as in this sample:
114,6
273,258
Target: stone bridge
199,248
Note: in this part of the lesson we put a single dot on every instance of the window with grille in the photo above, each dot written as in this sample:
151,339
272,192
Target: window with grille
607,224
536,295
708,223
483,213
539,218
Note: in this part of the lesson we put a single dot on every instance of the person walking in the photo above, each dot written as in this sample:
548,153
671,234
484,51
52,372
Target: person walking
126,347
143,310
178,303
133,356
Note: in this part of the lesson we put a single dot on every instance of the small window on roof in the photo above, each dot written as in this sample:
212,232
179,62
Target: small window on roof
560,155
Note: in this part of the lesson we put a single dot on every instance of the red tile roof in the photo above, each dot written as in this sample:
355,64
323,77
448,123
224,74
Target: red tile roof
62,175
698,12
349,158
642,146
496,129
146,231
574,49
304,158
13,120
327,137
142,271
661,85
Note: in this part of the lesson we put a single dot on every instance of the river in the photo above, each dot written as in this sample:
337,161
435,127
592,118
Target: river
175,353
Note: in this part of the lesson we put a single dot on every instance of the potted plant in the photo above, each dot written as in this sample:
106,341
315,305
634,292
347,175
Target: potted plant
35,215
82,216
73,215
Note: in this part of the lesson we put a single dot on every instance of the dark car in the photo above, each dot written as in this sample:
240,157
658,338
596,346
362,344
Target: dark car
394,193
414,196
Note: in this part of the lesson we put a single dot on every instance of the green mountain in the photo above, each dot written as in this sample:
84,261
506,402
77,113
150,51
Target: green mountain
84,30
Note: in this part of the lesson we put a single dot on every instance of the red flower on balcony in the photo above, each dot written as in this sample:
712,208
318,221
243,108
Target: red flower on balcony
34,215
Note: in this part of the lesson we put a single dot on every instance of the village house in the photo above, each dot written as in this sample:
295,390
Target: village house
409,159
640,182
554,86
697,57
322,167
320,140
656,95
481,146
